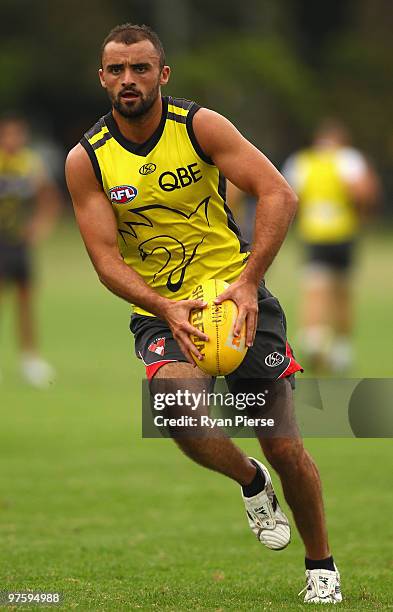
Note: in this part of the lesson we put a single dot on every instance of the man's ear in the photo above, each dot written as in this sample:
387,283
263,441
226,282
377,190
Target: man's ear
165,74
102,78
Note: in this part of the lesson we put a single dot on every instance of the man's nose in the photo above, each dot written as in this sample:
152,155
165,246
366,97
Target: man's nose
128,78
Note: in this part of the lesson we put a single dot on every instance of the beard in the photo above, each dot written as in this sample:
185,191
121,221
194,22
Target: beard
136,108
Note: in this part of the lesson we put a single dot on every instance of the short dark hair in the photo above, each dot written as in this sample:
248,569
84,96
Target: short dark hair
128,34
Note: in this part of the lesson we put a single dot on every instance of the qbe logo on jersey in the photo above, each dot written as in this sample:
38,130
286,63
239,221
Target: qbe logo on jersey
122,194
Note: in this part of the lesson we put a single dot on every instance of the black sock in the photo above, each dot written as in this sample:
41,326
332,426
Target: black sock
256,485
326,564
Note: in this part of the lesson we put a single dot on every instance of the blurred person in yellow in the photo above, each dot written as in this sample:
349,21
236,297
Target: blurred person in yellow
29,204
337,189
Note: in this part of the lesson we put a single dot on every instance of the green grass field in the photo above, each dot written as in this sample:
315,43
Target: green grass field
114,521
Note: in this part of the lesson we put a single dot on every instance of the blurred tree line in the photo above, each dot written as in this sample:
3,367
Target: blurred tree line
273,67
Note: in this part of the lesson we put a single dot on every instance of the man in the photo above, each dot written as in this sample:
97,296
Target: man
29,202
336,188
146,183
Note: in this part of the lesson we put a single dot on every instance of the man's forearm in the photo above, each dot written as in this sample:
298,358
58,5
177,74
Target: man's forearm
274,214
124,282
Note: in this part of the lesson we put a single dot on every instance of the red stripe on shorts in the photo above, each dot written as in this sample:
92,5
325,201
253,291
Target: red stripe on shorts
154,367
293,366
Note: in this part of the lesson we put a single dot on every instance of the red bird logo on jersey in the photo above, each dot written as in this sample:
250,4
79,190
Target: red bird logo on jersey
158,346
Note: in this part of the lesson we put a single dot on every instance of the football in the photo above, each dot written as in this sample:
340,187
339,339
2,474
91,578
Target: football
224,352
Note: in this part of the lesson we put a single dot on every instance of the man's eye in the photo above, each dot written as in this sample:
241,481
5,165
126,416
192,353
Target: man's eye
116,69
140,68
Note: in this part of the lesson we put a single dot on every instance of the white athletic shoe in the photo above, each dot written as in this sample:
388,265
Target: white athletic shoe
265,517
36,371
322,586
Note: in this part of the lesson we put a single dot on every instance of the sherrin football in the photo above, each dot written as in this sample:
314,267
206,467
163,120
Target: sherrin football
224,352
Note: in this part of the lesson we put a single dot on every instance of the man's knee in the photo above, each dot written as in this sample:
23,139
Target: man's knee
180,393
283,453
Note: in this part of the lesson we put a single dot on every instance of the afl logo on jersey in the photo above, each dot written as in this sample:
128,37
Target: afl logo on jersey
274,359
123,194
147,169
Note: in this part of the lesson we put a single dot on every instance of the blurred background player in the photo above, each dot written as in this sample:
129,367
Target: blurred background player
29,203
337,189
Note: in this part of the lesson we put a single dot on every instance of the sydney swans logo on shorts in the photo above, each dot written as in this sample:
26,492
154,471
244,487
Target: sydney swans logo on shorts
122,194
274,359
157,346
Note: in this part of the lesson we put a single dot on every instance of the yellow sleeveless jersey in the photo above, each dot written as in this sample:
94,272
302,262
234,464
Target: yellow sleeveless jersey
19,177
326,212
174,227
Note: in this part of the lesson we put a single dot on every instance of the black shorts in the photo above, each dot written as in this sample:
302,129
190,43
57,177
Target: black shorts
270,357
15,263
337,257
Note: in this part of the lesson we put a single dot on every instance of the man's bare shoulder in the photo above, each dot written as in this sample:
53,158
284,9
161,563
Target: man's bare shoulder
206,119
77,159
213,130
80,175
79,168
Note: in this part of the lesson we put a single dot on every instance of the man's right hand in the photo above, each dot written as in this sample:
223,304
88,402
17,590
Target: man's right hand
177,316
